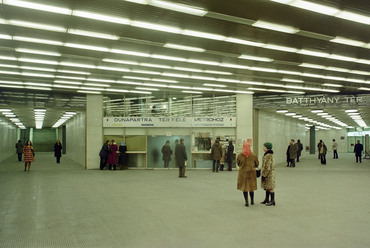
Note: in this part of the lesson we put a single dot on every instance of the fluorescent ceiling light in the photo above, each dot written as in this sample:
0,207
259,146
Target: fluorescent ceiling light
67,82
187,48
136,78
101,17
145,88
315,66
347,41
101,80
37,75
203,35
319,8
107,68
157,27
38,61
218,72
37,6
192,92
116,90
179,7
313,53
244,42
98,85
292,80
65,86
93,34
88,92
24,50
121,61
355,17
164,80
251,82
156,65
248,57
290,114
159,56
8,58
38,88
275,27
281,48
140,92
35,40
333,85
78,65
187,69
133,53
75,72
38,84
203,62
146,72
215,85
351,110
341,57
322,113
37,26
5,37
282,111
37,68
87,47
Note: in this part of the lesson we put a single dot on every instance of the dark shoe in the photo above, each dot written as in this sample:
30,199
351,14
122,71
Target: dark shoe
271,203
252,203
266,198
251,194
246,204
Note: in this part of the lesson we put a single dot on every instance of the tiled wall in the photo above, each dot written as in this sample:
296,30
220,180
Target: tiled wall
328,136
8,134
75,138
279,130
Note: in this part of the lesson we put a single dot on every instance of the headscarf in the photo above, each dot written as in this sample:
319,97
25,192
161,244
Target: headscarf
268,145
123,143
246,149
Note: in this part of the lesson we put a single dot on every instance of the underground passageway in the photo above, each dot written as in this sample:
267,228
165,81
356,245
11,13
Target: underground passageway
65,205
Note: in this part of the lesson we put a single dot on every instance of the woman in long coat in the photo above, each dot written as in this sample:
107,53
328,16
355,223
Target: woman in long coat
58,150
28,155
247,179
230,155
166,154
122,157
112,157
268,174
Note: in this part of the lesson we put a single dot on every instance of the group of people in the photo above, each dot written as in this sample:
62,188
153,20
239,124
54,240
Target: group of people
220,154
29,152
293,152
181,156
109,154
247,176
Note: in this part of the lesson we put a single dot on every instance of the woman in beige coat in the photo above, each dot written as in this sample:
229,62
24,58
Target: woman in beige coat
268,174
247,179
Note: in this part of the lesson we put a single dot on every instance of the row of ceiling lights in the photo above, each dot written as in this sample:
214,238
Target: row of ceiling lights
12,117
66,116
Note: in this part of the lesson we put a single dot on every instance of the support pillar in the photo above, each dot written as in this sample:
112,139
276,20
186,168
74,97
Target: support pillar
312,140
244,120
94,130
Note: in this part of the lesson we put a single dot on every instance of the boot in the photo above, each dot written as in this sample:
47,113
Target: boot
266,198
246,198
251,194
213,167
272,202
222,168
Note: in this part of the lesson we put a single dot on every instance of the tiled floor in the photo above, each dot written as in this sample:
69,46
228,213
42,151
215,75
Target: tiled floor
67,206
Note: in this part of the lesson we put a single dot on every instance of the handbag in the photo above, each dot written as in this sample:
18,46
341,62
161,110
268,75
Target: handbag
258,173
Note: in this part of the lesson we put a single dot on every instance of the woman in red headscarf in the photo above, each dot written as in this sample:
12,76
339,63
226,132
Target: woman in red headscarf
247,179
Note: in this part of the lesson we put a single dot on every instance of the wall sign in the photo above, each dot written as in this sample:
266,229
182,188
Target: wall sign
324,100
169,122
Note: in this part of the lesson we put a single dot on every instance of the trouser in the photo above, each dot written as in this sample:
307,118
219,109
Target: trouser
19,156
323,158
292,162
166,163
182,171
230,164
103,162
358,156
335,154
214,164
319,155
58,160
112,165
297,158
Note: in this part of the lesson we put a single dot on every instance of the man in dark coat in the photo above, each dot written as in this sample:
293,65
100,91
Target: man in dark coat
181,157
292,152
358,151
300,148
319,147
104,152
19,147
216,154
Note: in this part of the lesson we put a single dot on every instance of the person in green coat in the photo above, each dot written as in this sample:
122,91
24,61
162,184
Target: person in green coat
166,152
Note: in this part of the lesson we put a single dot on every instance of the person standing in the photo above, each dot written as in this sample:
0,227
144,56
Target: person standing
292,150
319,148
29,155
216,154
323,151
335,148
58,150
230,155
300,148
181,158
112,157
19,148
247,178
268,174
122,156
223,158
166,154
104,152
358,151
288,156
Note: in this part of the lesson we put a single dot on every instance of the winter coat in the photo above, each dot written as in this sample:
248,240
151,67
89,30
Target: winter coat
335,146
28,154
247,179
216,151
222,161
268,171
323,149
293,149
166,152
122,157
300,148
358,149
58,150
112,157
230,154
180,155
104,151
19,147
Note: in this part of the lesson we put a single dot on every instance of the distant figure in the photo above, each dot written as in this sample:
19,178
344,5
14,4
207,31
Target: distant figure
19,148
230,155
176,143
166,154
319,148
292,153
58,150
104,152
335,148
323,151
268,174
358,151
300,148
112,157
247,178
223,158
29,155
181,158
216,154
122,157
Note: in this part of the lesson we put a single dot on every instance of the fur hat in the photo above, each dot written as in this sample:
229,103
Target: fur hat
268,145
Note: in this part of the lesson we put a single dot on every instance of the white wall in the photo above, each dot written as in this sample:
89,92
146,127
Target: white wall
75,138
279,130
327,137
8,133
